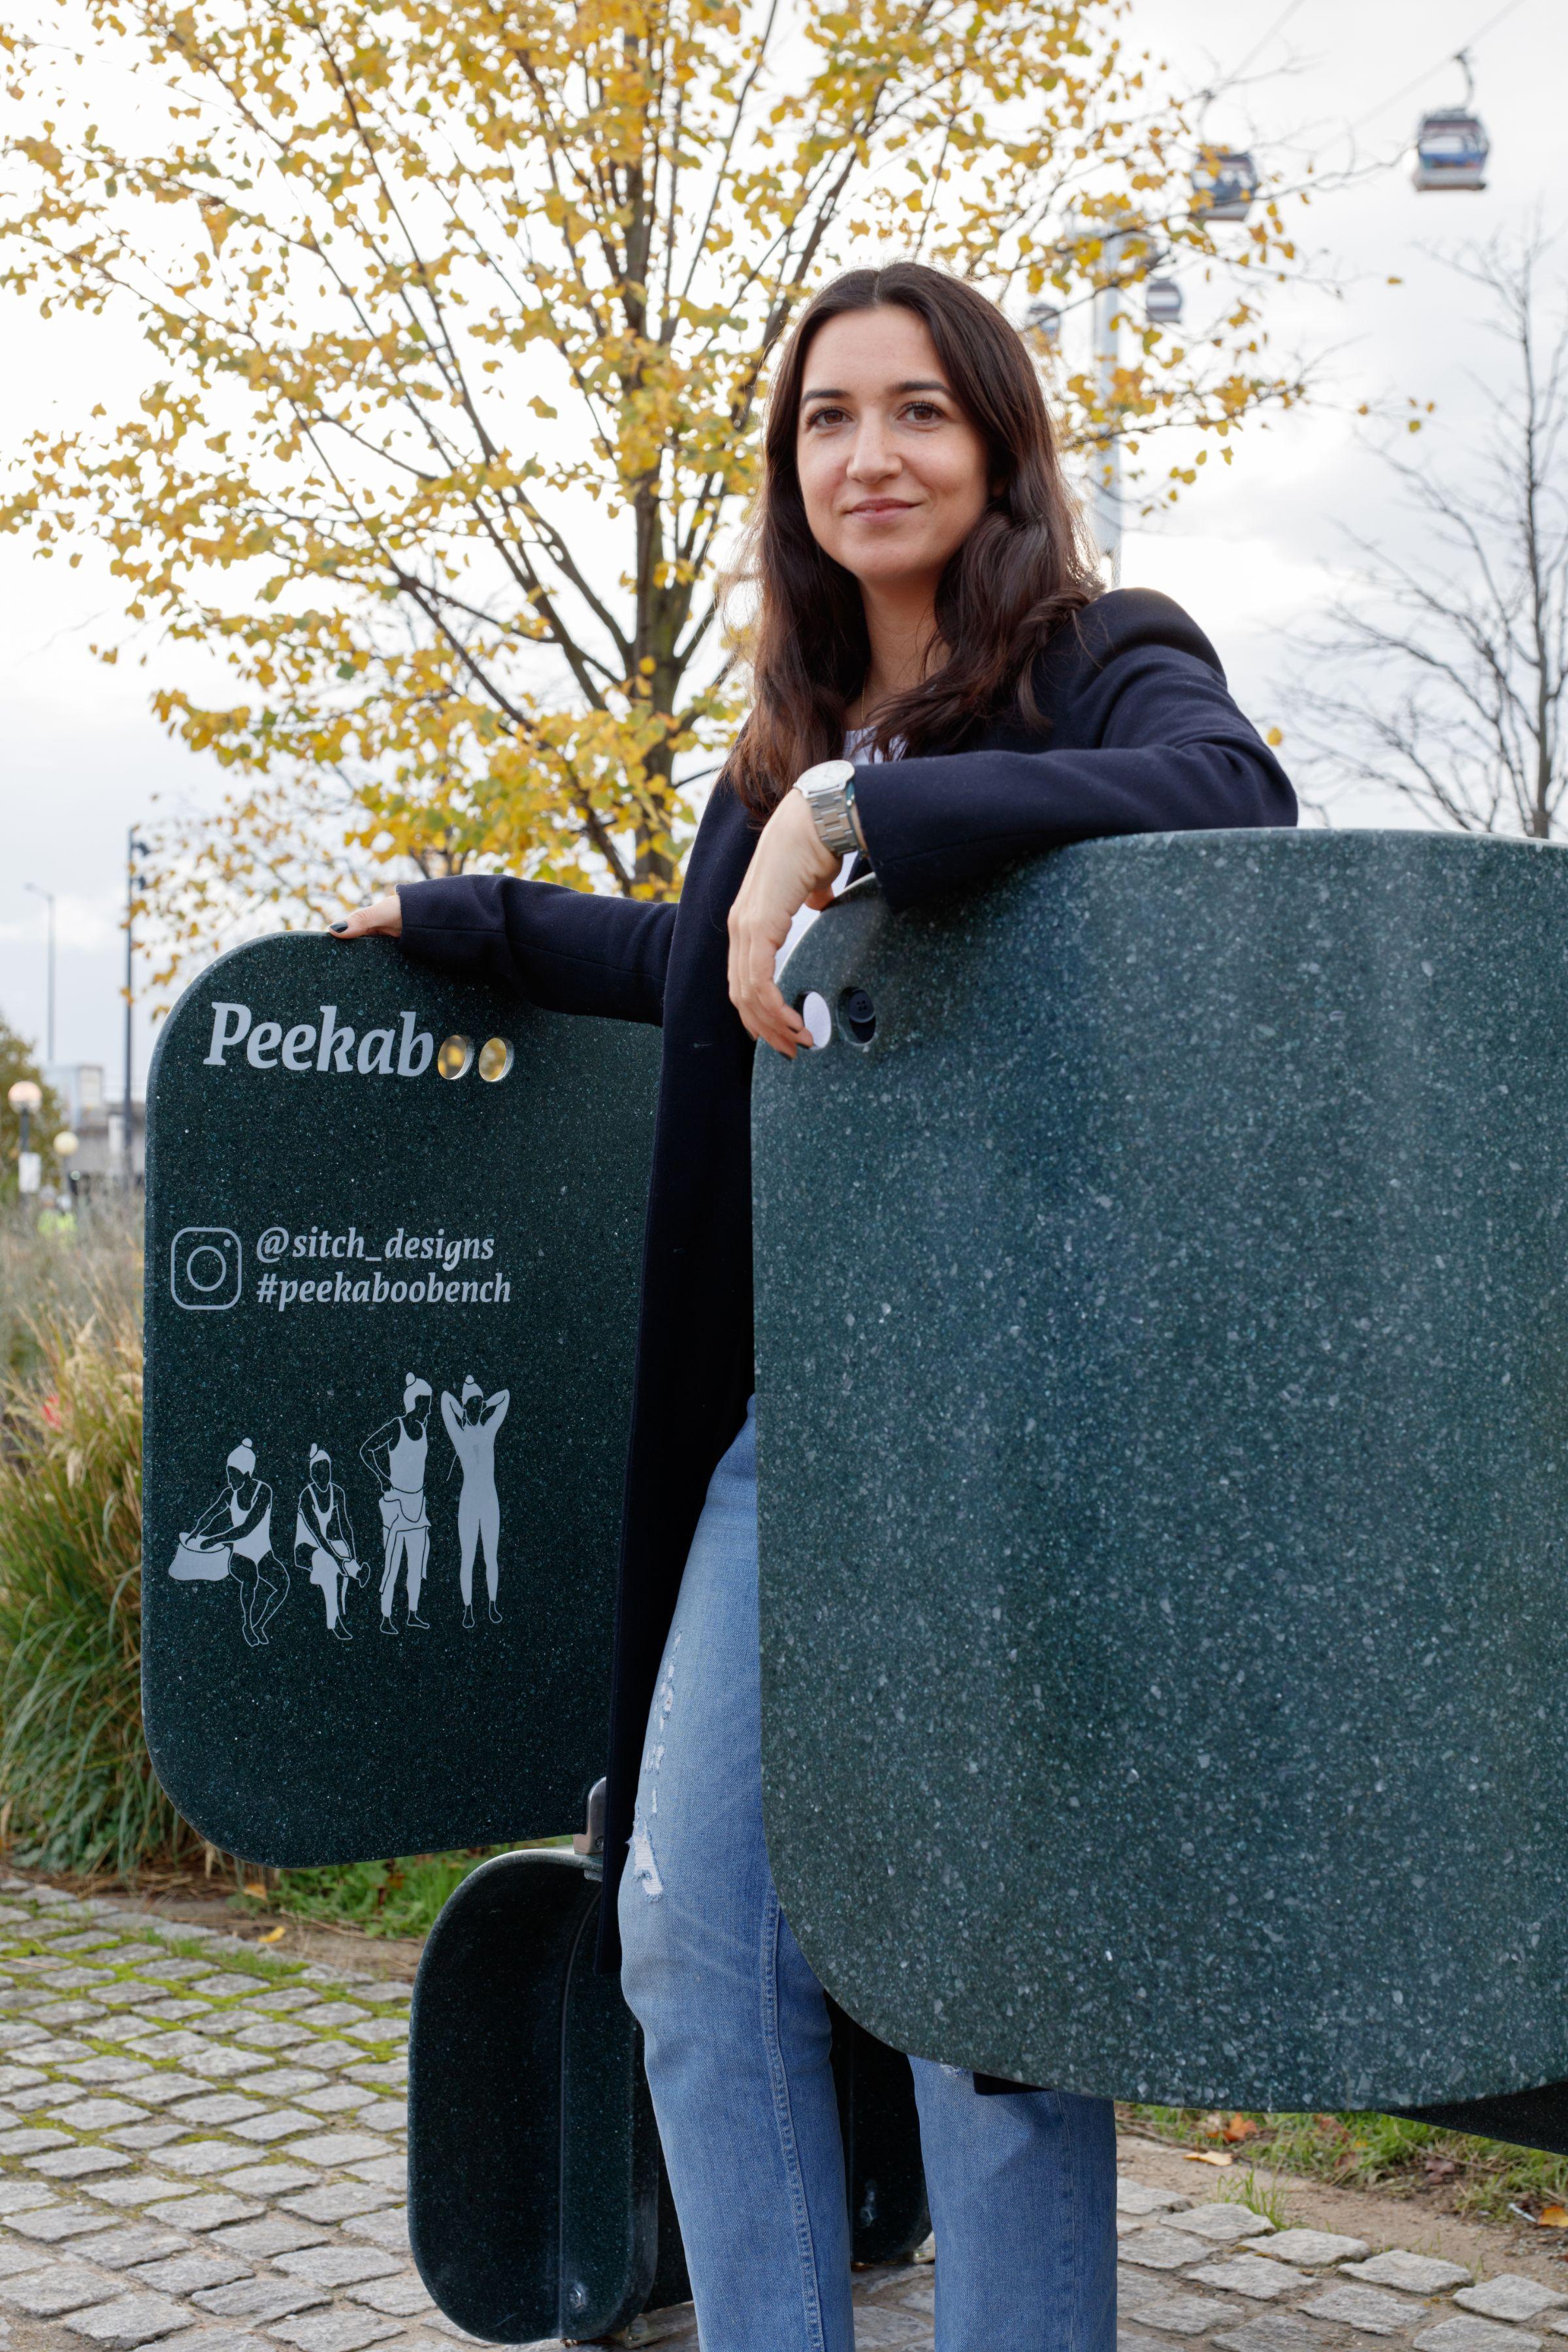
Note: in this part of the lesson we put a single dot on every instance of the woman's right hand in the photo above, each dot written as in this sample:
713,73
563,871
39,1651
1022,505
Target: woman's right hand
381,918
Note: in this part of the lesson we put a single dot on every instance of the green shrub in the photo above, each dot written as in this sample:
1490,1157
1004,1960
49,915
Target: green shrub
76,1789
381,1899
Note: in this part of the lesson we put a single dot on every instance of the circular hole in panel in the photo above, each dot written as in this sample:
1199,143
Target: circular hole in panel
456,1058
496,1058
813,1010
857,1015
205,1267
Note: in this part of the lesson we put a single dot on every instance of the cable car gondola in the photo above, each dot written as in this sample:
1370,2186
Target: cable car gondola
1451,145
1225,182
1162,303
1044,318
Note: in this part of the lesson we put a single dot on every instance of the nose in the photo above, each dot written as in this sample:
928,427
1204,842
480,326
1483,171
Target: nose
873,456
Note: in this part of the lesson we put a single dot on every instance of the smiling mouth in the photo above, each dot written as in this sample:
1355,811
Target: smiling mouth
884,507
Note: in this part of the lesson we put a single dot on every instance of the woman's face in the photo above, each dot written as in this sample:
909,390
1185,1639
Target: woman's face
892,472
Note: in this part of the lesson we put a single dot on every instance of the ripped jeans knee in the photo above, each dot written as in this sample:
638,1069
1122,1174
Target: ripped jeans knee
654,1958
672,1902
650,1949
642,1874
642,1863
695,1885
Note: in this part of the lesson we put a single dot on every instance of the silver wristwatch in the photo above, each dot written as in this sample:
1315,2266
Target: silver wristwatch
830,790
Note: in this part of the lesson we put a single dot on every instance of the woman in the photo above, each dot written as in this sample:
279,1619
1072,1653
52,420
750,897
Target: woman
473,1422
922,593
324,1541
240,1524
396,1455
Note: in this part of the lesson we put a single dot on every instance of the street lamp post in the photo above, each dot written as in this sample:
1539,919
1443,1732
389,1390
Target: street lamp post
25,1097
48,898
134,849
67,1144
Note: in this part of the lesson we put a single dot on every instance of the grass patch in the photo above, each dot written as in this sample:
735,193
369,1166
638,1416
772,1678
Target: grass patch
1257,2196
379,1898
1480,2176
277,1966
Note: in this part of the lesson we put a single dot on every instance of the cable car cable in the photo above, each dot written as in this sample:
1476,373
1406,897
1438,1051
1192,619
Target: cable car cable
1258,47
1447,59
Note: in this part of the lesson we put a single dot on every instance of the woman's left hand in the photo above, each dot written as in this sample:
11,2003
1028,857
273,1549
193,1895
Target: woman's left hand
789,869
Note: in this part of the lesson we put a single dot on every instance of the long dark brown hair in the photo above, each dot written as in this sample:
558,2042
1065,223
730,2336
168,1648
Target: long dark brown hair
1021,570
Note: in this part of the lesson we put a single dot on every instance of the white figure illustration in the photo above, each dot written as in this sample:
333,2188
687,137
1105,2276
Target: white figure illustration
240,1524
324,1541
471,1425
396,1454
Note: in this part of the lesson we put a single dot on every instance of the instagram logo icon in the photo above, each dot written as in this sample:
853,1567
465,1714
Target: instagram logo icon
206,1268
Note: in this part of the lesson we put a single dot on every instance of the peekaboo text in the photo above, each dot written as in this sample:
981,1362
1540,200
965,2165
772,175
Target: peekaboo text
207,1270
328,1045
377,1290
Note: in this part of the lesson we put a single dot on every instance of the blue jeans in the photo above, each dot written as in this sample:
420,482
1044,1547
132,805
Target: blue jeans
1022,2186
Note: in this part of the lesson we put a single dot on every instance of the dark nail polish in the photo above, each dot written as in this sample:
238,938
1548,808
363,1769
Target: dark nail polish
340,927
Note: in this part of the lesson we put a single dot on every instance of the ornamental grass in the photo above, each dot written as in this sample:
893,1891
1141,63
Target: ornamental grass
76,1789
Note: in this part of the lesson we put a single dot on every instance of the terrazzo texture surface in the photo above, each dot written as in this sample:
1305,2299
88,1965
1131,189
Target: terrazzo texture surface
1163,1444
537,2193
328,1214
534,2167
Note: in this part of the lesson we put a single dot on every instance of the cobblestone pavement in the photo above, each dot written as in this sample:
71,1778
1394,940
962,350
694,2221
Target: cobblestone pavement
202,2149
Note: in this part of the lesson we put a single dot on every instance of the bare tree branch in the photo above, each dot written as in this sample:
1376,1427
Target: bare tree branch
1450,664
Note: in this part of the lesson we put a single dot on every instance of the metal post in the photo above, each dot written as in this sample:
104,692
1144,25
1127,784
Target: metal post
48,898
132,846
1107,500
25,1097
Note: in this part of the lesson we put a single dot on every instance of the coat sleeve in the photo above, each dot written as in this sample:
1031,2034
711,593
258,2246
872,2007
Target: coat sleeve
567,951
1145,740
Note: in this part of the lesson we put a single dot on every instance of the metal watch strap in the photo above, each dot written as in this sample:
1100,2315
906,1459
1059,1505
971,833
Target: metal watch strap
828,789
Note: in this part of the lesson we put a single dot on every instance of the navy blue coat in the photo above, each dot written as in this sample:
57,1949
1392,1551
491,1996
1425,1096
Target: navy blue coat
1138,735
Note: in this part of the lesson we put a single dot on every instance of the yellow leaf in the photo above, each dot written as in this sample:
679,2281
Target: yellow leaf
273,1935
1274,736
1553,2217
1218,2156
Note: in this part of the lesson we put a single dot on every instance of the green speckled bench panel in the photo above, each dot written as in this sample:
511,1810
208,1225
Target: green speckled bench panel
1163,1439
329,1214
538,2199
536,2190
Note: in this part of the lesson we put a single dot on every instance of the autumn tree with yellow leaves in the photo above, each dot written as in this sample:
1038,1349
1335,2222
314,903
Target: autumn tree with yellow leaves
457,320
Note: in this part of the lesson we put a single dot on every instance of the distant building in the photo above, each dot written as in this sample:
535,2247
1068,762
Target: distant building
98,1121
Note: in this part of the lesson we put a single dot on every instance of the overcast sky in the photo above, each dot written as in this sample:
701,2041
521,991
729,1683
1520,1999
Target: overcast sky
1253,551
